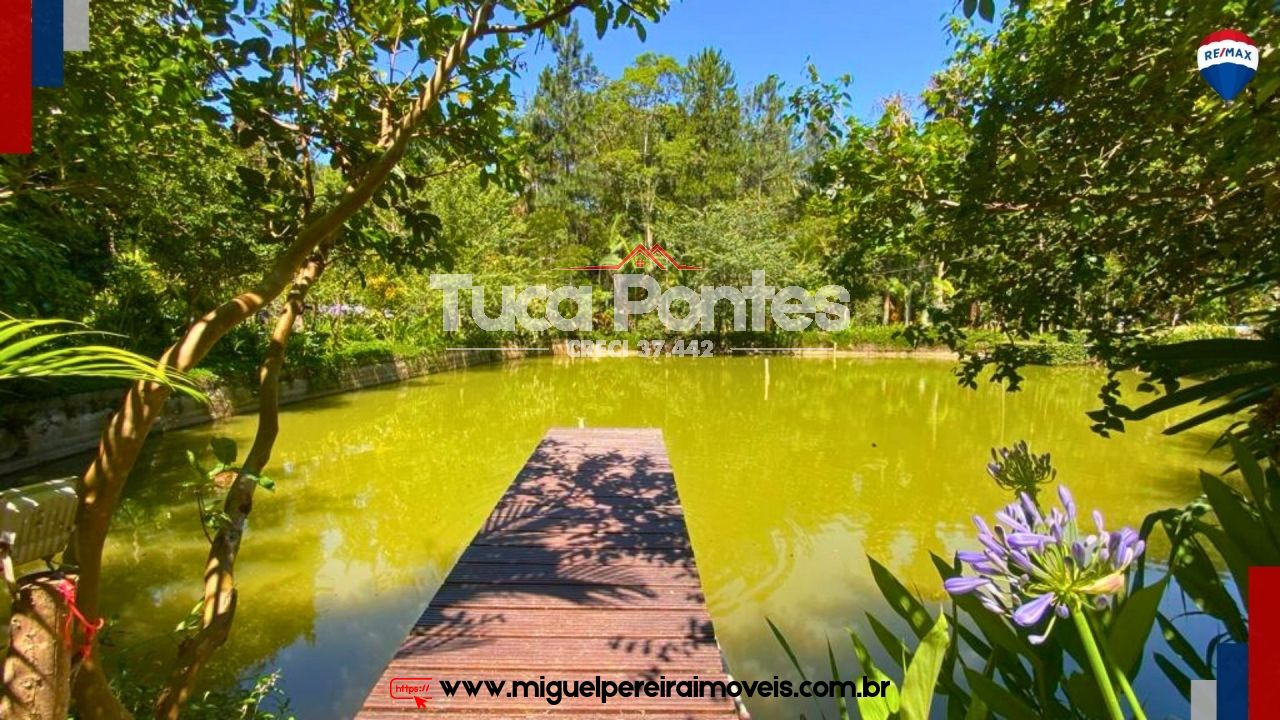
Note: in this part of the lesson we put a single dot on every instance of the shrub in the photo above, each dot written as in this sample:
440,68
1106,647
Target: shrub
1183,333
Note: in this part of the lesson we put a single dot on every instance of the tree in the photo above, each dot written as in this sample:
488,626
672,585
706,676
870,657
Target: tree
387,94
653,155
888,181
638,156
1116,217
130,171
769,164
713,124
558,127
1055,207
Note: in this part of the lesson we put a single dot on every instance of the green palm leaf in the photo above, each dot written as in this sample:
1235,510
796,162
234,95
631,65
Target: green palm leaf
37,349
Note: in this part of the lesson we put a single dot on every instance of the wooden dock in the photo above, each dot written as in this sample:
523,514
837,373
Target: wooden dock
583,569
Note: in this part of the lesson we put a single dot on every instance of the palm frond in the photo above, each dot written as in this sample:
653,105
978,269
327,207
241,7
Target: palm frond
37,348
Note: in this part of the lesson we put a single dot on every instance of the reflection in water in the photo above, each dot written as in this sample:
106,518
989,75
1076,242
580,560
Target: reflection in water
790,470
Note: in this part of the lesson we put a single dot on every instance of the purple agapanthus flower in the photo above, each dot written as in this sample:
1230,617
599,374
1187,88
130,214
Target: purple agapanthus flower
1034,564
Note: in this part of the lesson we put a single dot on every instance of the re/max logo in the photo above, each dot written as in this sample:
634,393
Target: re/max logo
1228,52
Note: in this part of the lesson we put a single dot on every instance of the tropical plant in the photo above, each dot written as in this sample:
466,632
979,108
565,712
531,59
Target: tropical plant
43,348
1235,378
913,699
1238,529
1039,564
1035,567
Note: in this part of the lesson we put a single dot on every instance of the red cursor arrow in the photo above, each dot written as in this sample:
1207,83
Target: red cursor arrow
422,704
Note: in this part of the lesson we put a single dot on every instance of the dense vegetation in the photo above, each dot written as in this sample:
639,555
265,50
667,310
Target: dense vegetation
964,212
1065,189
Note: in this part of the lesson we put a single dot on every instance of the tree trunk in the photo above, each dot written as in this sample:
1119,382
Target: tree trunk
937,298
37,668
93,695
122,438
220,594
886,309
125,432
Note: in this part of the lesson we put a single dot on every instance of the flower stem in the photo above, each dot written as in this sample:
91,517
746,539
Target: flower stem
1129,695
1120,679
1097,665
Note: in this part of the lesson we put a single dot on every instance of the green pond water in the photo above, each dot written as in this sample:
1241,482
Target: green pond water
791,471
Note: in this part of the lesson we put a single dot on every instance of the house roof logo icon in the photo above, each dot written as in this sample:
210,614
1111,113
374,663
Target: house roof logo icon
640,256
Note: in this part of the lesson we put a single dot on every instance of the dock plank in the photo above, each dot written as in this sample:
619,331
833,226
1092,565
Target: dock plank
582,570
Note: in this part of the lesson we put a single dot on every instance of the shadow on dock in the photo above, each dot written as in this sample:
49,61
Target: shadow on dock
583,568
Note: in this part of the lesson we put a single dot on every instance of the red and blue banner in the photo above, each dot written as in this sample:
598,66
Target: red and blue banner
1248,675
1264,642
15,76
33,36
46,43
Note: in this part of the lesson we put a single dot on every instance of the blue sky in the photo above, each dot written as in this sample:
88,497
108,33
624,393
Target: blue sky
887,47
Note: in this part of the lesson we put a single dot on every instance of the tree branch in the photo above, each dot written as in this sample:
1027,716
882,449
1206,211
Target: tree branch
220,594
535,25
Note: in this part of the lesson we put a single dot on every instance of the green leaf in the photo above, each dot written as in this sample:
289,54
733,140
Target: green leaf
987,9
1250,470
193,618
1175,675
978,709
1002,702
901,599
194,463
1182,646
217,520
1237,563
1266,89
602,22
224,449
256,46
841,705
252,178
1244,400
893,646
786,647
996,630
1083,695
1204,391
1132,626
1199,579
922,674
1244,527
19,358
877,708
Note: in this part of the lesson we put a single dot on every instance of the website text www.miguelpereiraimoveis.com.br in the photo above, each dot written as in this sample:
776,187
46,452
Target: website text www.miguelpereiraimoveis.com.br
556,691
